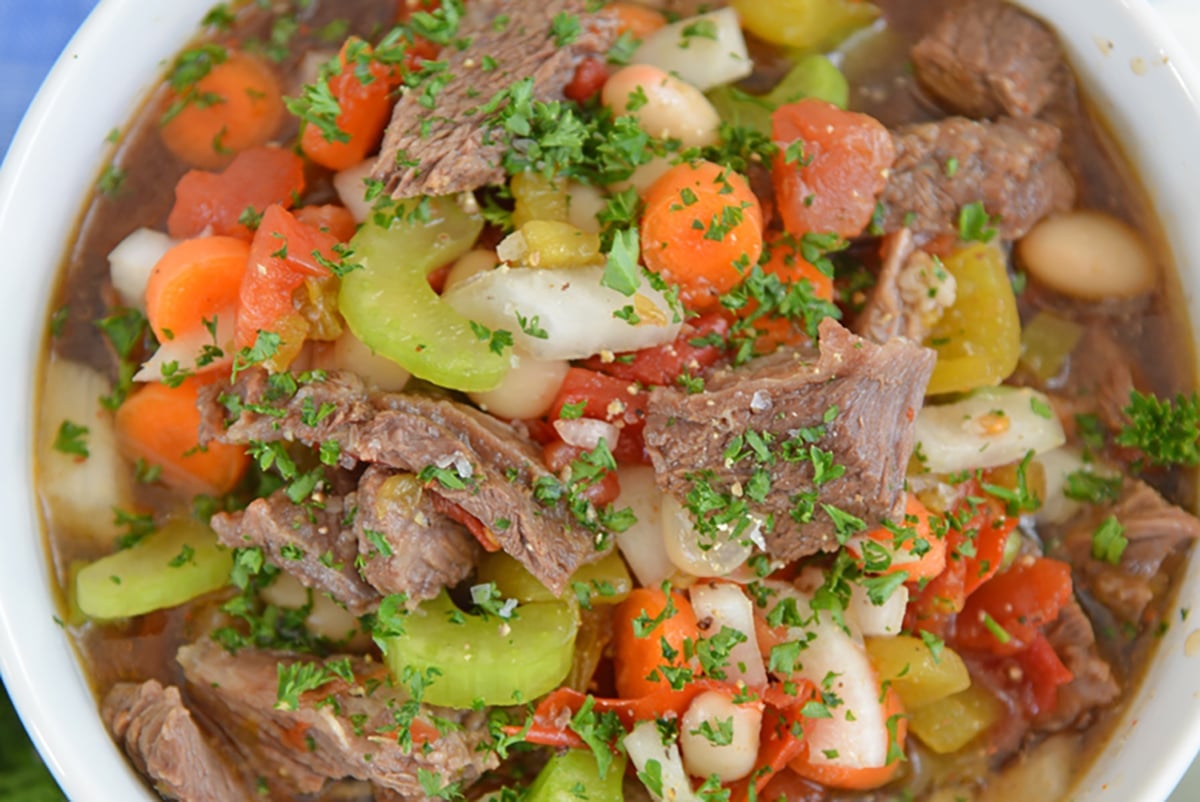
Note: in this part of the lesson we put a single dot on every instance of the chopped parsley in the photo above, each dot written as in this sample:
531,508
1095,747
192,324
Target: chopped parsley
1165,430
71,438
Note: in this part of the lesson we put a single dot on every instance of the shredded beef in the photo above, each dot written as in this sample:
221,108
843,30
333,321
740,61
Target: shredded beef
163,740
1092,685
312,543
453,147
487,468
1011,166
1155,530
987,58
345,729
1099,382
872,393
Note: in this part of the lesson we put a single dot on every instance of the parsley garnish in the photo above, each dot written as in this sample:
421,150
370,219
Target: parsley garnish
975,224
72,439
1109,541
1165,431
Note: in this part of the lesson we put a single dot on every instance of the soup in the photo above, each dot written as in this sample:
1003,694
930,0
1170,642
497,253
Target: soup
496,407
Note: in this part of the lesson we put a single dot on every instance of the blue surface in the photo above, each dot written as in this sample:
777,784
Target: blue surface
32,34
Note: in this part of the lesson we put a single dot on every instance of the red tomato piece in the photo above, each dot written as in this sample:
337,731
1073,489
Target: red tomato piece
831,166
1020,602
589,77
618,401
255,179
558,455
662,365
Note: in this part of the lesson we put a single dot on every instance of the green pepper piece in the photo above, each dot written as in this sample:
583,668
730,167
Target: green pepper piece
169,567
805,24
389,305
491,660
813,76
575,775
978,339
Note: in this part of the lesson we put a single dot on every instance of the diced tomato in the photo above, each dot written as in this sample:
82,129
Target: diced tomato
664,364
1017,603
589,77
1045,672
831,166
329,217
558,455
256,178
281,258
618,401
780,740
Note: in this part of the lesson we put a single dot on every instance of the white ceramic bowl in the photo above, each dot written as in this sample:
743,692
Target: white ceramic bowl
1122,51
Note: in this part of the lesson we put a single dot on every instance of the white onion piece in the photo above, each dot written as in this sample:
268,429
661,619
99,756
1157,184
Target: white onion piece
527,390
728,761
642,544
584,203
79,494
569,305
352,189
873,619
701,60
353,355
645,746
1057,464
697,555
132,260
725,605
586,433
184,349
990,427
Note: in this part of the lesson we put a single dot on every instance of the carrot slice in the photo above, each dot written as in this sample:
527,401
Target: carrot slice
641,624
192,282
701,230
924,566
637,21
364,102
859,779
160,424
224,202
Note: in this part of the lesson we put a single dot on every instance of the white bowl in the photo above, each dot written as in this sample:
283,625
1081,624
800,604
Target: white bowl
1122,51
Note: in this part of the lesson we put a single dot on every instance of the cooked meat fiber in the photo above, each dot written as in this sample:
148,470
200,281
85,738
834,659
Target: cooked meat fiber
988,58
311,543
910,295
338,730
488,469
163,740
872,394
1010,166
1092,685
424,550
453,147
1155,530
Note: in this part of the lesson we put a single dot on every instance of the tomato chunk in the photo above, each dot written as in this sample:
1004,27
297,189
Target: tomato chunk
226,201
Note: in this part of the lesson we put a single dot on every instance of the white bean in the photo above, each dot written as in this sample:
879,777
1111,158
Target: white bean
1089,254
644,175
351,354
718,737
470,263
584,202
718,555
352,189
328,619
527,391
671,109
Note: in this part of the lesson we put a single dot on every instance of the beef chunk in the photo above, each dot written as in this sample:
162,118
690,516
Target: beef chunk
1093,685
1155,530
424,550
453,147
347,729
163,740
855,400
910,295
987,58
1011,166
482,466
311,543
1099,382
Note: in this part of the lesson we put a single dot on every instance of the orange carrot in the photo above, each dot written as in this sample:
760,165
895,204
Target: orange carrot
192,282
928,564
237,105
637,21
702,229
160,424
785,262
335,220
859,779
364,109
640,625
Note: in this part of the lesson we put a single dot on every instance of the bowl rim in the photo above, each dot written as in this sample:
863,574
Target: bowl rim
81,755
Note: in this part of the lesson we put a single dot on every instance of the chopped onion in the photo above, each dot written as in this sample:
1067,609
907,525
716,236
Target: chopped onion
725,605
642,544
184,351
644,746
327,619
353,355
696,555
990,427
352,189
586,433
132,260
80,493
706,51
877,619
730,759
568,313
1057,465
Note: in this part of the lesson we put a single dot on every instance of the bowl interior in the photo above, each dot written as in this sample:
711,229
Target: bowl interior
1139,81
